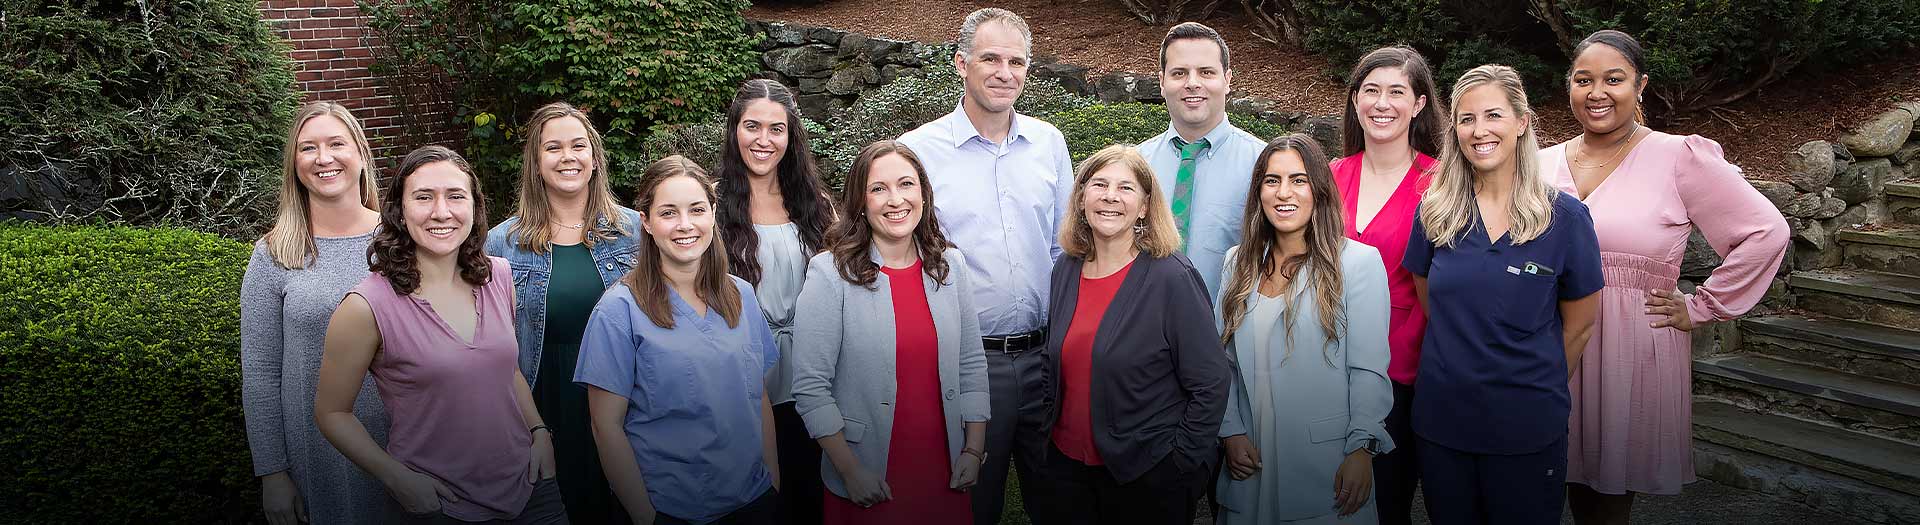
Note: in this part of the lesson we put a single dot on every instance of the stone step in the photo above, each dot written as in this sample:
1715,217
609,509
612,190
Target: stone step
1869,350
1903,201
1860,295
1827,468
1891,250
1880,461
1863,404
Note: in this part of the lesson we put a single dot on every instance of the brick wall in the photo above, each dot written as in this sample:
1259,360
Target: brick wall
332,53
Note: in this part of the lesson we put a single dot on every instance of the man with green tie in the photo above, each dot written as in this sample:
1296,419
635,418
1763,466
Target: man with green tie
1202,161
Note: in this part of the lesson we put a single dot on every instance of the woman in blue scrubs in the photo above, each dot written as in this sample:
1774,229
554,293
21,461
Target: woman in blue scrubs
1508,268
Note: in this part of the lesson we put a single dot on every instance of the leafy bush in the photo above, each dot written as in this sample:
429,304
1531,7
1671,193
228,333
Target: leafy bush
700,142
120,377
1091,128
630,64
156,112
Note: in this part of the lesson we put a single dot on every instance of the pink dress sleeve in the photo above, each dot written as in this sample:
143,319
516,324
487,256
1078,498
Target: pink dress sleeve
1743,227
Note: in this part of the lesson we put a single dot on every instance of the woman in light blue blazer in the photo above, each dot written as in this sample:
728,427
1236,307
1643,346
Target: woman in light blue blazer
1304,315
889,373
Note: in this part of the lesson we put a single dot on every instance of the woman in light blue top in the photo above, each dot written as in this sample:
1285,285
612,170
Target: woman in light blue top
774,215
1306,322
676,357
560,267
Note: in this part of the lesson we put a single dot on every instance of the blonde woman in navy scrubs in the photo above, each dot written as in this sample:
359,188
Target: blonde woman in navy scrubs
1508,268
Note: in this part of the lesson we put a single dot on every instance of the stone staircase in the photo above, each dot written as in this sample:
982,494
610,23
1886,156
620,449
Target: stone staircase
1821,403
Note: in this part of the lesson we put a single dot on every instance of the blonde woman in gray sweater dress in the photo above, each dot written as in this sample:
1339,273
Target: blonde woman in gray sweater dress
315,253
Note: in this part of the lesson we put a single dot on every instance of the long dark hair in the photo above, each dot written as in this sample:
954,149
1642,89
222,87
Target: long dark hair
800,189
1428,126
1326,234
646,280
392,252
852,237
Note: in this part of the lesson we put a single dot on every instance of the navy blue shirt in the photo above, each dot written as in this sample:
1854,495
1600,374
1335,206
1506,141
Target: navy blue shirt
1493,368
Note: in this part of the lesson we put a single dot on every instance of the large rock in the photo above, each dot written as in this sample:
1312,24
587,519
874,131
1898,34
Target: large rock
809,61
1830,207
1802,206
1862,180
1700,259
853,77
786,34
826,35
1118,87
1881,135
1866,213
853,45
1071,76
878,49
1325,130
1812,233
1907,153
1810,166
1778,193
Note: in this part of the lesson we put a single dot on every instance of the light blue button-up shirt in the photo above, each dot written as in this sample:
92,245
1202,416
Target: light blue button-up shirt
1221,175
693,391
1001,205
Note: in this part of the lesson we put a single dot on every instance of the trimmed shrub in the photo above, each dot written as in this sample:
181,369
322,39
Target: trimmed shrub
631,65
156,112
1091,128
120,377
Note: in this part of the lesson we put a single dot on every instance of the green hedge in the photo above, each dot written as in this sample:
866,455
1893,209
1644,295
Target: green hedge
1091,128
120,377
154,112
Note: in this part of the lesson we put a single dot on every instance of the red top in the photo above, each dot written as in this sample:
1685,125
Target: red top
918,467
1073,433
1388,233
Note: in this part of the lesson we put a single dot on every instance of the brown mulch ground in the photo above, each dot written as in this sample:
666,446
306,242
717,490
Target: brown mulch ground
1756,131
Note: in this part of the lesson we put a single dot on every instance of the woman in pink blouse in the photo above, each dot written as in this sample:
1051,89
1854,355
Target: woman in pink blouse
1393,130
1631,424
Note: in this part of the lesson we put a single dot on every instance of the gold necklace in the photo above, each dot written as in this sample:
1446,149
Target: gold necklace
1618,146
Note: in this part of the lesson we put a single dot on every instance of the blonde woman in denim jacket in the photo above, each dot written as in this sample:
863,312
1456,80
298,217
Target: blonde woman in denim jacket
567,221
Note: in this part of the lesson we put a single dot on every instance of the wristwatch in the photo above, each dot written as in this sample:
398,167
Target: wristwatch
1372,447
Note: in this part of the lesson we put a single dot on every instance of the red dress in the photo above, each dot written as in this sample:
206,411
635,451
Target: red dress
918,462
1073,433
1388,232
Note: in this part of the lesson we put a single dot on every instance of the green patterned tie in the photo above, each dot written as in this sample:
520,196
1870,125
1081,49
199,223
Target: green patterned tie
1183,187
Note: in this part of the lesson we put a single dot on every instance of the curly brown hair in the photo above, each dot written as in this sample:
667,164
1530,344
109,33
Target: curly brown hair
392,253
852,236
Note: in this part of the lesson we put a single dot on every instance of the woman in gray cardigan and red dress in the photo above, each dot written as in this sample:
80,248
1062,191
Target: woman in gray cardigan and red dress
888,370
1140,380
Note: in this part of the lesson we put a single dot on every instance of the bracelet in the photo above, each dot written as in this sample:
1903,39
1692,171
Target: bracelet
975,453
537,428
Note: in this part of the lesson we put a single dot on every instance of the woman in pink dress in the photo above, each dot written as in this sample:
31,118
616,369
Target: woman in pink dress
1631,425
1393,130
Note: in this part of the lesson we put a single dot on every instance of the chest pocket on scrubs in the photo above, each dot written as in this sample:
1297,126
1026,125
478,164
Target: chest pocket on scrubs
1528,299
670,381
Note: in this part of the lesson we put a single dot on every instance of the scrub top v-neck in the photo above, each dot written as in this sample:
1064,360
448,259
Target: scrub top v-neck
1493,368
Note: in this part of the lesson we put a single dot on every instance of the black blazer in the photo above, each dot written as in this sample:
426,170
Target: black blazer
1160,374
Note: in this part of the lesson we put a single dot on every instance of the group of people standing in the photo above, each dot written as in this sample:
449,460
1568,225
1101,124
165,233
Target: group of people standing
1201,313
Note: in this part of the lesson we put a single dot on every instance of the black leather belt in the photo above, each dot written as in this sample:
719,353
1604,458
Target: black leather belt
1016,343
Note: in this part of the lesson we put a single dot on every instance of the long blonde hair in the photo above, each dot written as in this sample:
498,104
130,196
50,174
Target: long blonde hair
290,242
1448,208
533,232
1158,236
1326,236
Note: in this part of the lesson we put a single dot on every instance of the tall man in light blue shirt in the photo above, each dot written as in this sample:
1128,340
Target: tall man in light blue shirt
1000,182
1202,162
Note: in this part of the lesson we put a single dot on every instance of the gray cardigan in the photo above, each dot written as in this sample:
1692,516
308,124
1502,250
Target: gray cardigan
843,360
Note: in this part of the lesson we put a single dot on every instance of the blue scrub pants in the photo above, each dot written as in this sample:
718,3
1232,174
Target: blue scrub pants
1470,489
